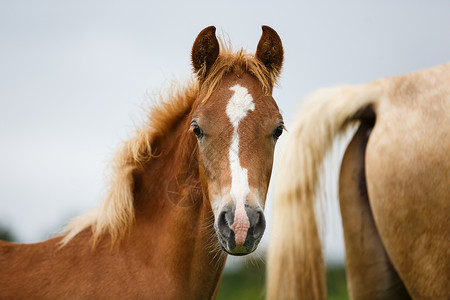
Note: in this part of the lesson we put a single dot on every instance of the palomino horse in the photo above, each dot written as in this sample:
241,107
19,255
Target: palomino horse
192,181
394,191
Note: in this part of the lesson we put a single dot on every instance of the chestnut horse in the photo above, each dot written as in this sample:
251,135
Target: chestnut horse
394,191
193,181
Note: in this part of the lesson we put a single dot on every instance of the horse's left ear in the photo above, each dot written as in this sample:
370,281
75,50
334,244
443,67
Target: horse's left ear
270,50
205,51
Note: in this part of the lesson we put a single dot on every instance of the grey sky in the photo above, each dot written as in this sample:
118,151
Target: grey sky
73,78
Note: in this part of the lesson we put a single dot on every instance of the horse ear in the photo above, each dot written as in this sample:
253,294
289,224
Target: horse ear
270,50
205,51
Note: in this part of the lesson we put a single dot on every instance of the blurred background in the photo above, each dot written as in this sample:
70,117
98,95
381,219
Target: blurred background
74,77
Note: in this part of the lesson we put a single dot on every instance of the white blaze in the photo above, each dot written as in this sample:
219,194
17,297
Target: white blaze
237,108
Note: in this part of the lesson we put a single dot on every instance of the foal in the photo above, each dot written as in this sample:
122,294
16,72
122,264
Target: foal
193,181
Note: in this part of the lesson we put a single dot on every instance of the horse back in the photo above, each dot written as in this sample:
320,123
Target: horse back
21,270
45,271
78,270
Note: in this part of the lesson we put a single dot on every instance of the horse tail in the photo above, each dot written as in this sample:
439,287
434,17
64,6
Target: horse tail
295,260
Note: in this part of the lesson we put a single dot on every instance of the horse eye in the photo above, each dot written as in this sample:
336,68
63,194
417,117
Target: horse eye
278,132
197,130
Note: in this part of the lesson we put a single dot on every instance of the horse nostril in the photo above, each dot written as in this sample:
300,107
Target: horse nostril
222,224
260,225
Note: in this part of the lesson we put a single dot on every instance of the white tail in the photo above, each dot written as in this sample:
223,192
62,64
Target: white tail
295,261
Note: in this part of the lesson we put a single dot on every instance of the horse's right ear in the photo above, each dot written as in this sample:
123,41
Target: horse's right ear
205,51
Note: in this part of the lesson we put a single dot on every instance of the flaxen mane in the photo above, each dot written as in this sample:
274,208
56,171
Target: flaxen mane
116,214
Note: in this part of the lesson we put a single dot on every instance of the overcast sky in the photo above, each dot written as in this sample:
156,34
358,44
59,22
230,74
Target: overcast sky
74,76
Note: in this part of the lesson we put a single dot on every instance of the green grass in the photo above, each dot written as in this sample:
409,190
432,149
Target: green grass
247,283
337,283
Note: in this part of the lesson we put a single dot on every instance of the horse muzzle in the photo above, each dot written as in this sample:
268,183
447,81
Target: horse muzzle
240,232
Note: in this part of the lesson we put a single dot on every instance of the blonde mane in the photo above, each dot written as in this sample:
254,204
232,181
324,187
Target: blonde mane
116,215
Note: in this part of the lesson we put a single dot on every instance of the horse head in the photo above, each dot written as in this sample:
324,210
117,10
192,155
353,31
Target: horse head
236,123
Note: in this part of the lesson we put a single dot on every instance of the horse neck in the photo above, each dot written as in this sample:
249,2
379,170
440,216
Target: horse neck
173,215
171,251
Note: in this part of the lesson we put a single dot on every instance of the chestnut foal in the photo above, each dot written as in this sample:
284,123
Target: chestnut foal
193,181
